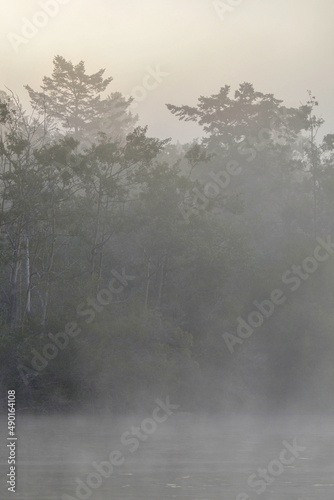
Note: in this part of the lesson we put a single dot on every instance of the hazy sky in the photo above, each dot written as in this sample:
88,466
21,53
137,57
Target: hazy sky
283,47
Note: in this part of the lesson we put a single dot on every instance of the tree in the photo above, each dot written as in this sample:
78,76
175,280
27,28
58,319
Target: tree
312,155
74,99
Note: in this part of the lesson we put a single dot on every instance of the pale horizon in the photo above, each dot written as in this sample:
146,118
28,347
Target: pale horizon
279,47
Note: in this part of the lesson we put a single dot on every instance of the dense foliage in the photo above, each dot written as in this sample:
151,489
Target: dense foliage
125,260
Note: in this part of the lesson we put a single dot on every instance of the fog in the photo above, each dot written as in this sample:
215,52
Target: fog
166,250
282,47
187,456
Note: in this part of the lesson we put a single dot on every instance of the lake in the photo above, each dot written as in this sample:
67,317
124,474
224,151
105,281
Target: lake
181,457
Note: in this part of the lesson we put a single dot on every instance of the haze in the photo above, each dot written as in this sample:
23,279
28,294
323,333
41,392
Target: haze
282,47
166,305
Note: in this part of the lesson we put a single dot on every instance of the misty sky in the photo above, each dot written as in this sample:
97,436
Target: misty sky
283,47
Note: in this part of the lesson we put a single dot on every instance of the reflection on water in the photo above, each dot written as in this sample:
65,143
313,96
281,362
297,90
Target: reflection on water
187,457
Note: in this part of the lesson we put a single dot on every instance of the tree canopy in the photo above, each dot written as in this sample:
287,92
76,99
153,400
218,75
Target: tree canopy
130,264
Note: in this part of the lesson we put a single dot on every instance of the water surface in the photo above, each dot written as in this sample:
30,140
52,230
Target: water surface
187,457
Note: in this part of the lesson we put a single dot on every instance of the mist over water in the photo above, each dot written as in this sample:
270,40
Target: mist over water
166,303
193,457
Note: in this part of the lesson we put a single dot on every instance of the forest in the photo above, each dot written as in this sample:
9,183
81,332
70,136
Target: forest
131,265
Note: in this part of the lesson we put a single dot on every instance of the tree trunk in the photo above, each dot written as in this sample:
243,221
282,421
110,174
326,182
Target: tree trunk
14,280
28,283
161,280
48,272
96,234
148,280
